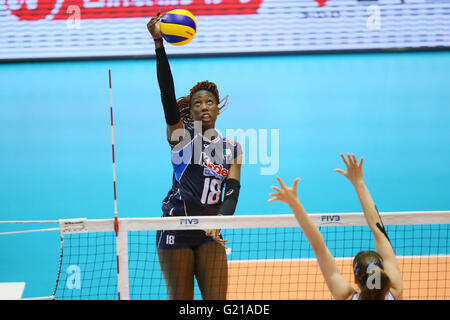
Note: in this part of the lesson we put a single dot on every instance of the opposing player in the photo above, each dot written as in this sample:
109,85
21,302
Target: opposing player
377,274
204,164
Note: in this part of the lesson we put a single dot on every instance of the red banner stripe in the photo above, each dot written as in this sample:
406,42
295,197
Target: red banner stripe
127,9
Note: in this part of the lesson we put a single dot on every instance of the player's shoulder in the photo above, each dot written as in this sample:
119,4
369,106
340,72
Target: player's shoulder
233,148
234,145
231,142
187,136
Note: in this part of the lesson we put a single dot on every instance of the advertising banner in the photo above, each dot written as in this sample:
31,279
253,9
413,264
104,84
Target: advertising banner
33,29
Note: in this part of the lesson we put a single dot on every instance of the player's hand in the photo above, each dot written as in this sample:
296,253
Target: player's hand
354,171
215,234
154,26
285,194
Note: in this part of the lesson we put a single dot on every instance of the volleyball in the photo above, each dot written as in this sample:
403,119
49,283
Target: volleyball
178,27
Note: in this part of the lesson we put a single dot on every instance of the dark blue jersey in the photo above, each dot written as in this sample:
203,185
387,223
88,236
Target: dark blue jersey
200,167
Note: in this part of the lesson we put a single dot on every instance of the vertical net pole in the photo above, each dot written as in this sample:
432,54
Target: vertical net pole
121,233
122,262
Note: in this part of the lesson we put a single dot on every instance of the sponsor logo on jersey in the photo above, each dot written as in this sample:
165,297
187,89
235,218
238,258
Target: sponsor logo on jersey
213,170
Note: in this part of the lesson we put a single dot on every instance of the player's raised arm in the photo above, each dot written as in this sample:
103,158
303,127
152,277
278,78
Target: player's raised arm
338,286
354,173
165,81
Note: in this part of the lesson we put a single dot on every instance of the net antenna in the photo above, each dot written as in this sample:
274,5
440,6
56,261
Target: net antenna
121,237
116,221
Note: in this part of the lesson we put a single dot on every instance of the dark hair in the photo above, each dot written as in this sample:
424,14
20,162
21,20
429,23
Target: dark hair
362,262
184,103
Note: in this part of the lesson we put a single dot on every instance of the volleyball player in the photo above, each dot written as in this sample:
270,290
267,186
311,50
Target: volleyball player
204,164
377,274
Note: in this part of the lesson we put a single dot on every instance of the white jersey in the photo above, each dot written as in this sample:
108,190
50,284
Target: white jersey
389,296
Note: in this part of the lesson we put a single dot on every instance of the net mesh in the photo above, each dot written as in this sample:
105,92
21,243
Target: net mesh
263,263
88,269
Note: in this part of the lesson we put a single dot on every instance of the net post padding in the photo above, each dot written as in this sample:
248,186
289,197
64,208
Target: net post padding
122,260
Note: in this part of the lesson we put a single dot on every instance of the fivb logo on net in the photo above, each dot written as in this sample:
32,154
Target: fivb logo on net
257,149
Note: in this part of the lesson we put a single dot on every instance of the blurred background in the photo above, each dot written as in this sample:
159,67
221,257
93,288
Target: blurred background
319,77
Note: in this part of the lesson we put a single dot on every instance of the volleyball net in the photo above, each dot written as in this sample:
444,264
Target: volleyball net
268,257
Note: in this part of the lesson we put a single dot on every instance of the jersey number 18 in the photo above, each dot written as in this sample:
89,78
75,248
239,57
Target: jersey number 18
211,191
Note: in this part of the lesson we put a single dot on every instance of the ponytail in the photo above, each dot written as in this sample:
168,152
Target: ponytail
375,285
372,280
185,111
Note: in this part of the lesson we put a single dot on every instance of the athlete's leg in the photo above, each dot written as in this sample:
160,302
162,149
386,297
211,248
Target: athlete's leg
211,271
177,266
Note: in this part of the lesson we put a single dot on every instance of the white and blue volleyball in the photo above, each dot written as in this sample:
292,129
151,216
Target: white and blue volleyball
178,27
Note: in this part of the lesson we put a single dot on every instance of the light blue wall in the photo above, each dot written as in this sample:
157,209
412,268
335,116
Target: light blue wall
55,138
